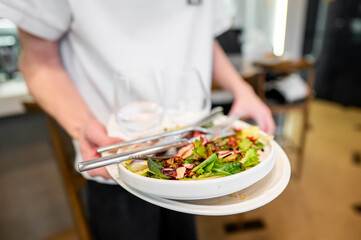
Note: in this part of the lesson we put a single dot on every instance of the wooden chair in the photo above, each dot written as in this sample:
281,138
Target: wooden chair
73,181
286,67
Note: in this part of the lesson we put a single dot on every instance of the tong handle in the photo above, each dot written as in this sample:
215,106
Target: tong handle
120,157
150,138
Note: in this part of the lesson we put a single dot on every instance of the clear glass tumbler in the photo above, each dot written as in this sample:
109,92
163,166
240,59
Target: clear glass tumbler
185,96
138,100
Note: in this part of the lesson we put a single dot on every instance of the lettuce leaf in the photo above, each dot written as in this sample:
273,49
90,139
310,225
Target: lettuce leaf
251,158
227,168
245,144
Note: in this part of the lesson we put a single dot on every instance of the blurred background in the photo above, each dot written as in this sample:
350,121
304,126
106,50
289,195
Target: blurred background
302,58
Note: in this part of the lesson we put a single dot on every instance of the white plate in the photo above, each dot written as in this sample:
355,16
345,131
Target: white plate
257,195
202,189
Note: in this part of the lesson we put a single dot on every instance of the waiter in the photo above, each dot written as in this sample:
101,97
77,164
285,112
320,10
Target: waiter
71,50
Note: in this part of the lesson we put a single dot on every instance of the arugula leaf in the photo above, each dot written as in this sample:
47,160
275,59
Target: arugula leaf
251,158
154,167
245,144
209,160
199,149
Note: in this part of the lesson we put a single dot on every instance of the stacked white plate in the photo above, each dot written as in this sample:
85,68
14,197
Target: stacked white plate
233,194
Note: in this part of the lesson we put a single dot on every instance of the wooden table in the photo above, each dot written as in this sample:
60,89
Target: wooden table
287,67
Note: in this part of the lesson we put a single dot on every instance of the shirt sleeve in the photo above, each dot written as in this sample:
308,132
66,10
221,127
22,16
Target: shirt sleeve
48,19
222,19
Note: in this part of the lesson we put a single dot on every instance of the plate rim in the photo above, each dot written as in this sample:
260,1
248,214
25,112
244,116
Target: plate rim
254,175
220,210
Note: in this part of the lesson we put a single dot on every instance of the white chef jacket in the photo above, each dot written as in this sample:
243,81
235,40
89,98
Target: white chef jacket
99,38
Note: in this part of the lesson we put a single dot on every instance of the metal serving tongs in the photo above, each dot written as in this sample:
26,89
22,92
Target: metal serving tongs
159,147
135,154
194,127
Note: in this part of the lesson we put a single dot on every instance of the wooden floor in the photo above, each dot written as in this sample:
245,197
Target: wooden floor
320,205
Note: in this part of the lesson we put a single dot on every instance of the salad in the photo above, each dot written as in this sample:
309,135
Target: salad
207,158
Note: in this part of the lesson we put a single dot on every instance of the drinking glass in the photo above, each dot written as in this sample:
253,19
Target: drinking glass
138,101
186,98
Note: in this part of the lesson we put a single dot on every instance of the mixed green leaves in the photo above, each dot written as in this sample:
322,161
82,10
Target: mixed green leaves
155,168
199,150
244,144
250,159
210,159
206,162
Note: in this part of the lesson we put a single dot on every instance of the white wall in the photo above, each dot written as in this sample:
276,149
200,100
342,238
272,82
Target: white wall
295,30
259,16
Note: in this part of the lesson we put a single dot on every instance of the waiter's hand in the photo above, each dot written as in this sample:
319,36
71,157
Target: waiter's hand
92,136
249,105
